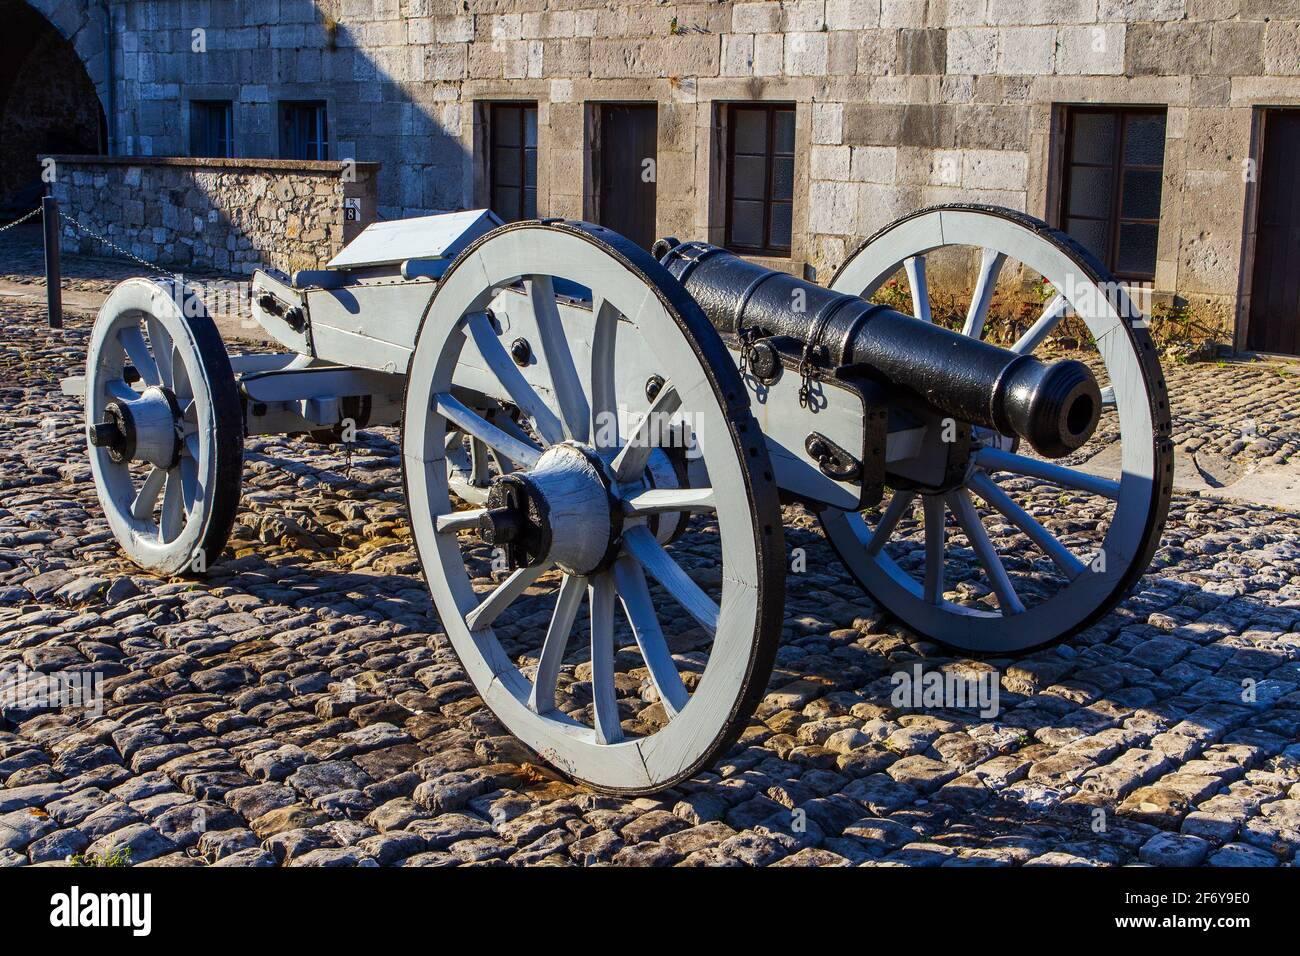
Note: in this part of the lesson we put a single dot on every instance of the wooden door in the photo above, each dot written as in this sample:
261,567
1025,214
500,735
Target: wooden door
627,155
1274,321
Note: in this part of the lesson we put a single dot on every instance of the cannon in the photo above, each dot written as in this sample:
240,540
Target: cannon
597,440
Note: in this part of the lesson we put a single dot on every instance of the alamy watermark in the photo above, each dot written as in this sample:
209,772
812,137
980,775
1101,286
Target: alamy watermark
29,690
947,690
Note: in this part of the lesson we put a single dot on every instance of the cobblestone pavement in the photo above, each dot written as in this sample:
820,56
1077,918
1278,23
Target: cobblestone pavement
300,707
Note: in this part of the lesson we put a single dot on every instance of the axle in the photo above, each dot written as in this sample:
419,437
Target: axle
1054,407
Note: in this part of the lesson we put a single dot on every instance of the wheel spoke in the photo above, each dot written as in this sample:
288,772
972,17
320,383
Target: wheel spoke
988,489
133,343
142,507
480,473
181,380
163,349
512,379
118,389
990,266
646,549
503,596
173,508
1042,328
604,392
894,511
660,500
575,412
994,459
609,730
458,521
630,462
934,547
635,597
542,697
192,447
915,267
189,469
464,418
969,519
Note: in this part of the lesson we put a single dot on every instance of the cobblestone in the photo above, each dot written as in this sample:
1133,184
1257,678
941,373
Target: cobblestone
300,706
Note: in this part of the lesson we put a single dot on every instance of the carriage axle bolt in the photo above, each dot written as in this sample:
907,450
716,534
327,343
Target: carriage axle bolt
653,386
499,525
106,435
521,352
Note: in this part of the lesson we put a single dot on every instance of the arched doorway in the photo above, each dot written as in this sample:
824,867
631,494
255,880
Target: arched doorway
48,103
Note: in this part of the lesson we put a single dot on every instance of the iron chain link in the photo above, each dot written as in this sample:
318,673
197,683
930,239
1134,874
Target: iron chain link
114,246
18,222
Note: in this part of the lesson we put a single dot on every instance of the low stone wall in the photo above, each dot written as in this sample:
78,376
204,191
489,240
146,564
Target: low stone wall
223,215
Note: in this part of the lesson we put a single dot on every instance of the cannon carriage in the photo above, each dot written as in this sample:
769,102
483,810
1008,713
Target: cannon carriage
618,430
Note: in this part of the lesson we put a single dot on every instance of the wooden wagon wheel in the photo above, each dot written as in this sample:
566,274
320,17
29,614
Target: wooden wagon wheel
1082,580
580,511
165,427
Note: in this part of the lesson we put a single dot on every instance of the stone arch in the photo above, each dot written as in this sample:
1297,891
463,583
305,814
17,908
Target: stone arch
51,90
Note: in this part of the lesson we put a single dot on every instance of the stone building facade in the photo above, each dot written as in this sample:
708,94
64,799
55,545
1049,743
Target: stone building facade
896,103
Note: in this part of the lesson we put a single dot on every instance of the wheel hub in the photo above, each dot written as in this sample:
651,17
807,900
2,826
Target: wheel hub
562,512
146,429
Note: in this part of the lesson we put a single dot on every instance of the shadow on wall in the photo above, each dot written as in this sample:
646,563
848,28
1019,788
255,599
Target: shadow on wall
372,118
378,110
48,104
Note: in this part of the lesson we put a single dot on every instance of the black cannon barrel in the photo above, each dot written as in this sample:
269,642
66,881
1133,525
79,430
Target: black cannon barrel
1053,407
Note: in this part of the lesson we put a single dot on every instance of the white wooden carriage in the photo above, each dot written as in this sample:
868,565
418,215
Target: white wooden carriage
563,397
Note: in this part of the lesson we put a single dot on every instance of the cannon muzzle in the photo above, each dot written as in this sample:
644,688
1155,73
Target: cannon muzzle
1054,407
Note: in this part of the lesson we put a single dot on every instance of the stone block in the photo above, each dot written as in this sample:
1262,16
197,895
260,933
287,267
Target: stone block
873,164
1027,50
1091,50
1281,46
903,13
805,54
1134,10
881,204
769,54
828,123
833,207
1040,12
756,17
852,14
922,52
994,169
1167,49
842,53
1237,49
458,29
990,127
737,54
973,50
878,52
1217,139
803,16
831,162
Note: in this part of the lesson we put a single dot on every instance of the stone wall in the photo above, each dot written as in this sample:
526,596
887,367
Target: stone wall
228,215
900,103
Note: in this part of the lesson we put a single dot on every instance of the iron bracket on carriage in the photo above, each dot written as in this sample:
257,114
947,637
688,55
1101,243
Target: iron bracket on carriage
604,417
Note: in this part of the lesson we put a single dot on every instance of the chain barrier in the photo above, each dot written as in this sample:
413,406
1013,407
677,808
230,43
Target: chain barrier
114,246
18,222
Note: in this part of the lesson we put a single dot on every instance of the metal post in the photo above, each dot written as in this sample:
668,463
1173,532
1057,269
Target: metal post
53,278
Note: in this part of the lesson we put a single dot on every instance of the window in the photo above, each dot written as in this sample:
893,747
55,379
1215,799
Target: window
304,133
1110,200
760,178
212,128
512,163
